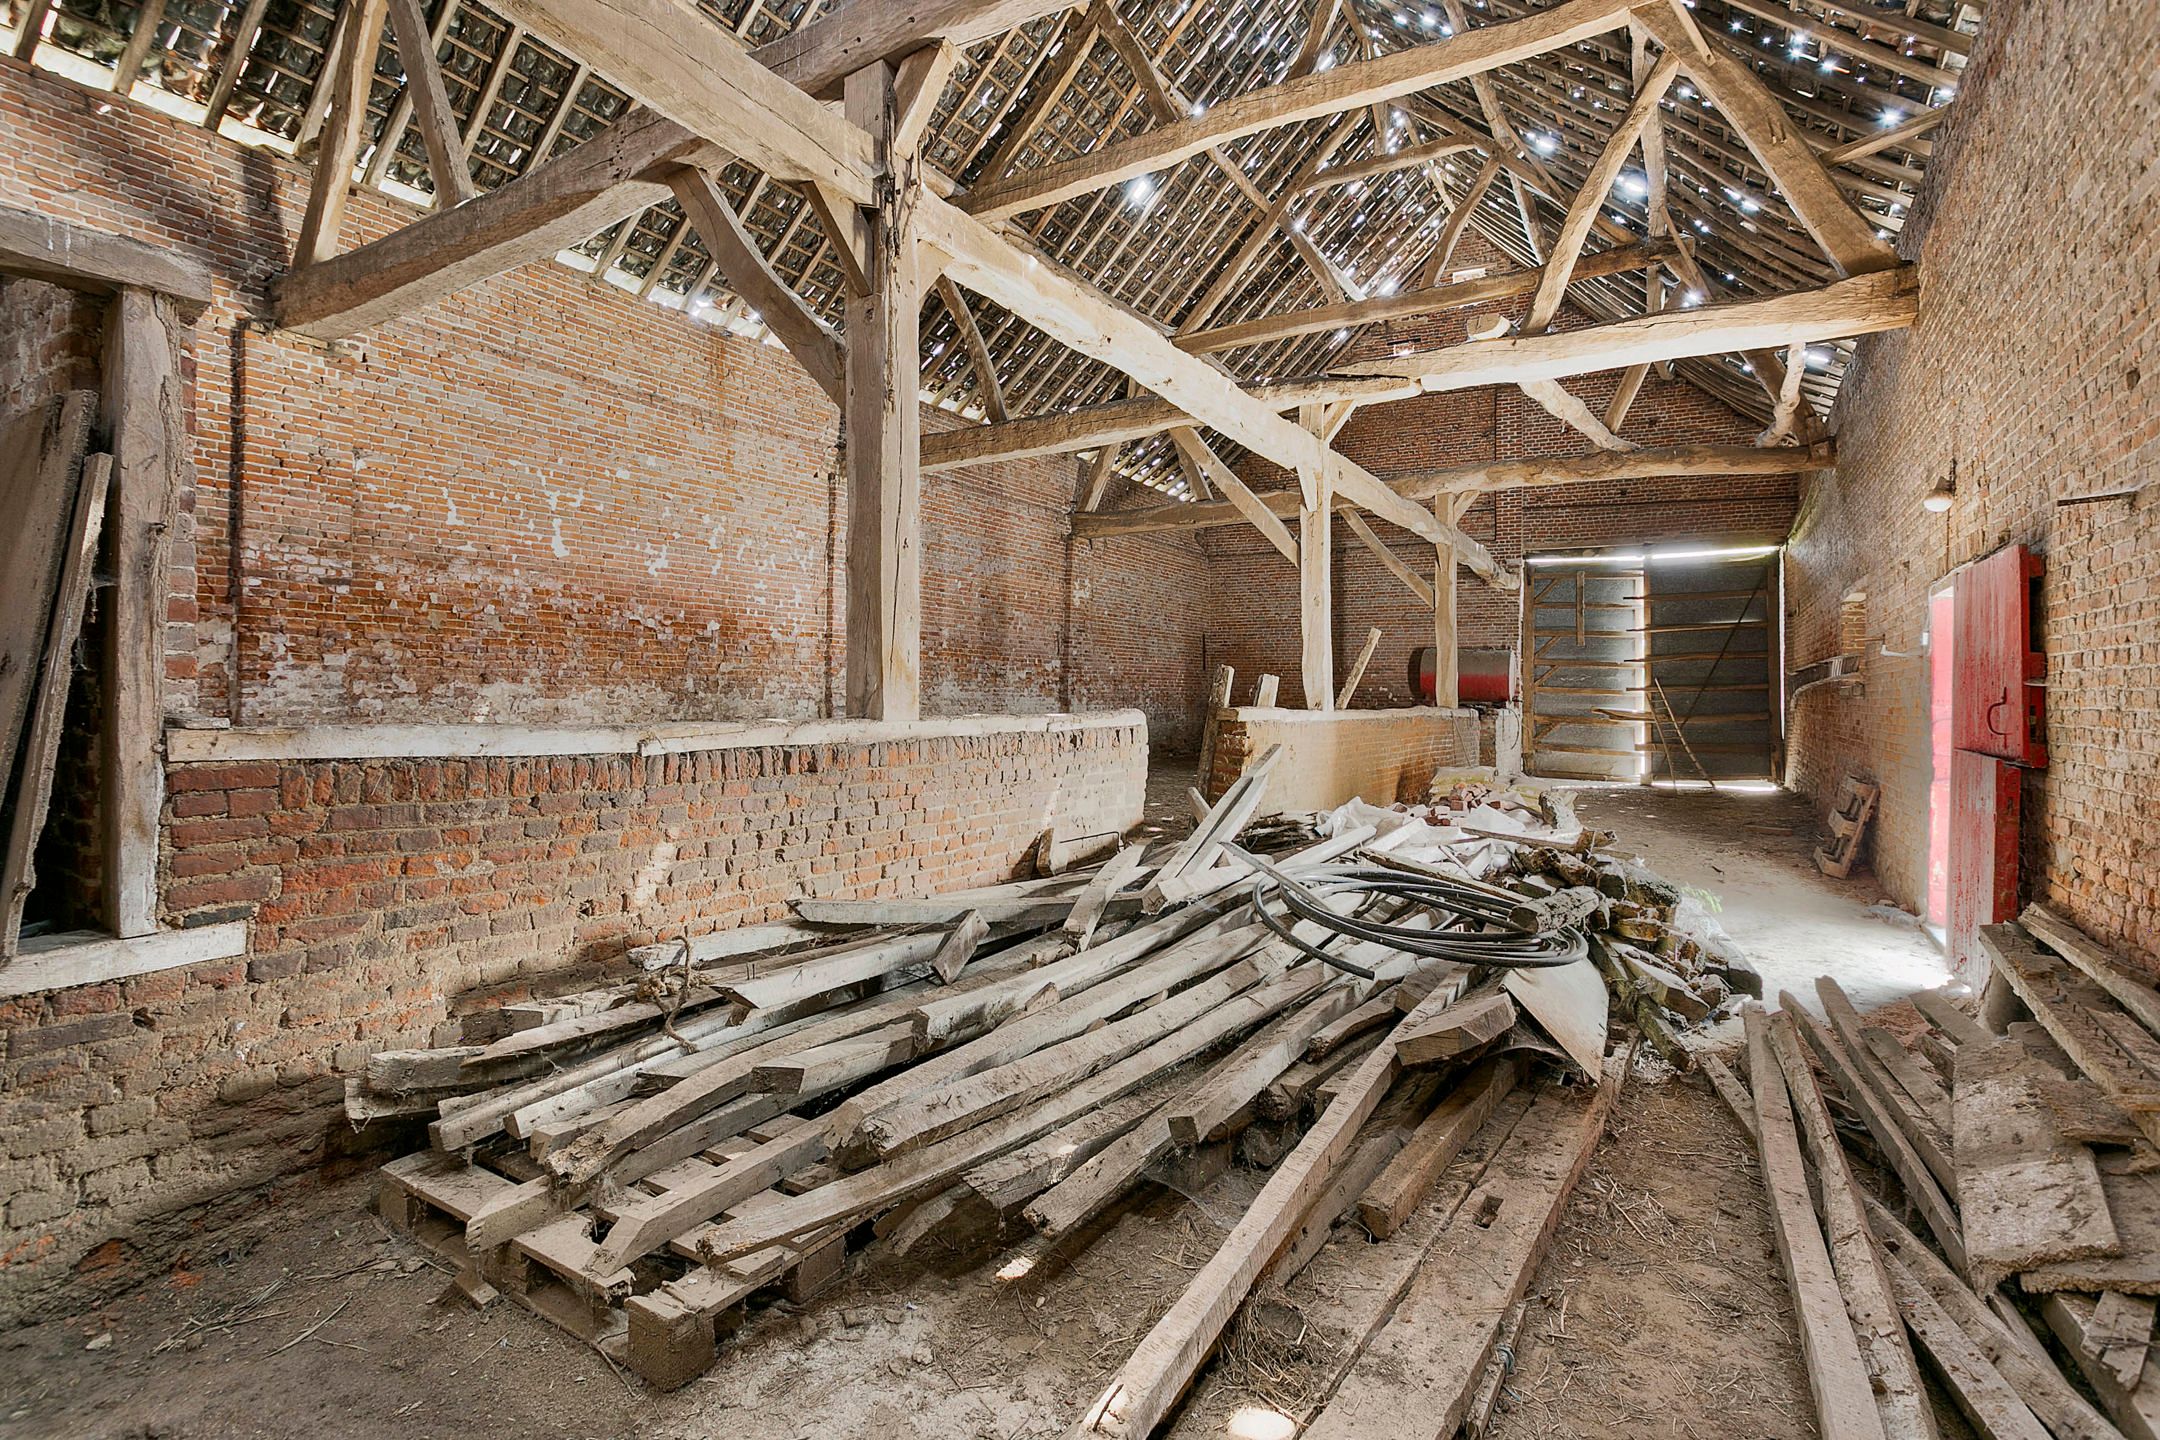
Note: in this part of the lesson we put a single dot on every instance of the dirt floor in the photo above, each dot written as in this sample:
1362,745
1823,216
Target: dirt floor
1659,1311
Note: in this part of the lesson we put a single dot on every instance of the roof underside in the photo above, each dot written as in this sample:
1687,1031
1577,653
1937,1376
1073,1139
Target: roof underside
1066,84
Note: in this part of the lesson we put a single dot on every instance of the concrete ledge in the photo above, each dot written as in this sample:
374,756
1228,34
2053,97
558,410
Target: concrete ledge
83,957
401,742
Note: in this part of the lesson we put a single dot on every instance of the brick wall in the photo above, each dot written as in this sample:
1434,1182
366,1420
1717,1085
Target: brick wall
2030,378
384,894
1253,618
541,499
1380,756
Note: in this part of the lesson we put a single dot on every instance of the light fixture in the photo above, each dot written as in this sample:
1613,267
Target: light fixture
1939,495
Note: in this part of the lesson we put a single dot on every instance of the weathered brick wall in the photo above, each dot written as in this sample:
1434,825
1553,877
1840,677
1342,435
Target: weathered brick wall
2029,379
1253,619
48,342
1380,756
539,500
381,892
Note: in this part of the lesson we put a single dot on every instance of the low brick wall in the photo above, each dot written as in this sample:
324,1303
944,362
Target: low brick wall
383,891
1381,756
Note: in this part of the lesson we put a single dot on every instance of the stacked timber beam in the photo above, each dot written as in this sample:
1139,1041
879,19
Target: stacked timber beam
2025,1147
1003,1069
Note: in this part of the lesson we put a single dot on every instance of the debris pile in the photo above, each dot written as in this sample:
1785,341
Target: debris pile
2023,1143
647,1162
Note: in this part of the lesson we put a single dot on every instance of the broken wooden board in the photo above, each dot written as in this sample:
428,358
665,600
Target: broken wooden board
2133,1203
2028,1197
1417,1374
1943,1013
2134,1408
1469,1024
1569,1003
2121,1331
2073,1010
1930,1140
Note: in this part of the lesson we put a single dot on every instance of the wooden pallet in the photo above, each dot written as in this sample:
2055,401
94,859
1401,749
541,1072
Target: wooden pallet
1848,826
663,1317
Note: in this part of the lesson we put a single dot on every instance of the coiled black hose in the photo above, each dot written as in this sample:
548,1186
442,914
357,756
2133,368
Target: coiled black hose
1456,903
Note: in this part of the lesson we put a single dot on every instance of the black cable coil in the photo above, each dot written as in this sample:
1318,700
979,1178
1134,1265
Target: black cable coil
1306,896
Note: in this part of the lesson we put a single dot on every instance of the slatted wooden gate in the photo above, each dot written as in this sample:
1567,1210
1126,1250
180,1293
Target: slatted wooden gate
1657,670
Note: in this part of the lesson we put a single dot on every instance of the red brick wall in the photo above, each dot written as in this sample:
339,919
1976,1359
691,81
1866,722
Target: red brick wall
2030,375
48,342
540,500
1253,620
383,893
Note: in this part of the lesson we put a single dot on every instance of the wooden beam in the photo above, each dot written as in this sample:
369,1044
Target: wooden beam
1386,162
744,267
978,353
1891,139
1583,213
1249,505
563,201
1346,87
1386,555
352,74
556,204
1428,300
431,104
1472,480
244,32
60,252
1097,326
884,429
1357,669
145,404
129,65
1748,106
1859,305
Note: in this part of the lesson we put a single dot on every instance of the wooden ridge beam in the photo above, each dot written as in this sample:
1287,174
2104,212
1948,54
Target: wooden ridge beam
1678,462
1308,97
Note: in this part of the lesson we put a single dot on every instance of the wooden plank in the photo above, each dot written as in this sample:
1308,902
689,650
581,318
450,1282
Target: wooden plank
1920,1185
61,252
1870,1304
1331,92
870,959
1929,1137
2069,1007
1985,1397
1078,929
1386,555
2028,1196
1388,1202
41,457
145,404
1960,1027
1837,1375
1149,1383
2130,991
31,792
1205,1114
2122,1329
2133,1205
1357,668
1416,1376
2136,1408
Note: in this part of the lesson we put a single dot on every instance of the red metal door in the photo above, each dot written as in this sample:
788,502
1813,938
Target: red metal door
2000,704
1983,854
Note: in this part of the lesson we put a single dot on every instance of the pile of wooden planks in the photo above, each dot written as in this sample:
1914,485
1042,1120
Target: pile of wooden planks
1663,973
2024,1146
640,1163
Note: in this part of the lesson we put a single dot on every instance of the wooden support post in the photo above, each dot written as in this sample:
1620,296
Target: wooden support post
1446,661
1316,580
142,405
884,430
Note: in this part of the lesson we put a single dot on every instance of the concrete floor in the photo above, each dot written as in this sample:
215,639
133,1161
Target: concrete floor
1659,1310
